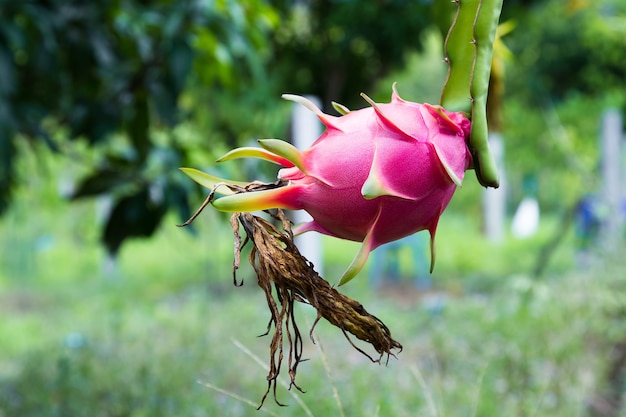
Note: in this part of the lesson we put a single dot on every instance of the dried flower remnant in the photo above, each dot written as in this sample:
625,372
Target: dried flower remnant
286,277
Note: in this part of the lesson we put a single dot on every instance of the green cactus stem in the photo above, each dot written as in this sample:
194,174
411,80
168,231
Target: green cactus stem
468,52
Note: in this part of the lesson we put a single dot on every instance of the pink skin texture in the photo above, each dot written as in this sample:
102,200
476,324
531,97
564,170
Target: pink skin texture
375,175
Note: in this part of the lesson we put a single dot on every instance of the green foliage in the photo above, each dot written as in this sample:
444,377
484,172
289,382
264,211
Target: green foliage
337,49
119,69
423,75
582,51
137,82
566,135
562,75
523,364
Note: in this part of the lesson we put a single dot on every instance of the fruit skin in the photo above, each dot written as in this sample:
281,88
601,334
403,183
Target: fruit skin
375,175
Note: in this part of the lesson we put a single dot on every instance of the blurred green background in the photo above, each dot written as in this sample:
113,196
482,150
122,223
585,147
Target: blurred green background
108,309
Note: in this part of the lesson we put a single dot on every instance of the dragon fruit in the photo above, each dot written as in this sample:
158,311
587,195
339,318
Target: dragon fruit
375,175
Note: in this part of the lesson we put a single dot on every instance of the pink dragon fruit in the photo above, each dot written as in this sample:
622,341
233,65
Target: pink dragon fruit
375,175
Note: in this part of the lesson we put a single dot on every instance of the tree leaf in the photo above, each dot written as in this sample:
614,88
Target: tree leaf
100,182
132,216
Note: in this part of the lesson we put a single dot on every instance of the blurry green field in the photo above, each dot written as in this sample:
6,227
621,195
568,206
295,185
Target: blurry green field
164,332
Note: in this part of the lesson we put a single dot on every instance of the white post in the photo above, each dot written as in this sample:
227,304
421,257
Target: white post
494,200
610,145
306,128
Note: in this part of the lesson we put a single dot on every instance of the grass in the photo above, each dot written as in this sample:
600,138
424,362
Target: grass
164,332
